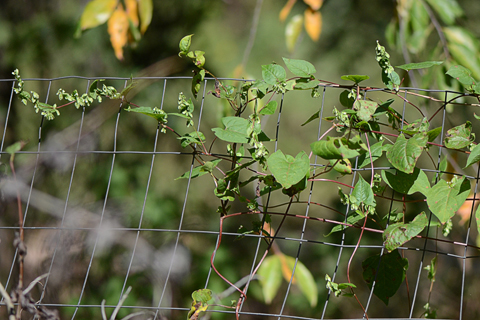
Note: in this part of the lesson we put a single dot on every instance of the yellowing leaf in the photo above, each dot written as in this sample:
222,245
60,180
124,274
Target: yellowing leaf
292,31
313,23
132,11
286,10
97,12
302,278
145,9
314,4
118,30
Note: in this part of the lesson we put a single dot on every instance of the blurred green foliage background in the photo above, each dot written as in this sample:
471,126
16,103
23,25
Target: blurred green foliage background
37,38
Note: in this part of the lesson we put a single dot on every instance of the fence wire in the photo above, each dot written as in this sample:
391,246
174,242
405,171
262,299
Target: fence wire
102,211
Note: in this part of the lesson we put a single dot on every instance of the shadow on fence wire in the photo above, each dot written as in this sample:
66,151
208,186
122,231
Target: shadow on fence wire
102,211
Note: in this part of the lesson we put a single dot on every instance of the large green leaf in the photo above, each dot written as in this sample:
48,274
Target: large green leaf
338,148
445,198
270,273
273,73
404,153
288,170
300,68
388,272
303,279
407,183
235,130
460,136
474,156
399,233
462,75
365,109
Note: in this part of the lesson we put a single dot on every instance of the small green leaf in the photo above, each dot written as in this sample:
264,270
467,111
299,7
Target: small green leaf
474,156
302,278
288,170
460,136
185,43
365,109
155,113
314,116
445,198
305,84
404,153
202,295
399,233
236,130
419,65
388,272
270,273
14,148
338,148
355,78
300,68
273,73
269,108
363,193
191,137
201,170
462,74
351,219
197,82
343,165
404,183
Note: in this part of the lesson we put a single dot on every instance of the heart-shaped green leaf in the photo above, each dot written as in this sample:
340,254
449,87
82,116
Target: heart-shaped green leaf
300,68
273,73
235,130
417,181
288,170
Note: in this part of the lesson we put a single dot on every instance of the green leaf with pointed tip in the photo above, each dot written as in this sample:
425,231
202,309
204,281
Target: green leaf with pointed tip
363,193
404,153
345,100
269,108
391,80
462,74
355,78
288,170
399,233
474,156
417,181
376,151
157,114
191,137
300,68
273,73
445,198
236,130
197,82
14,148
270,273
388,272
338,148
365,109
303,279
419,65
351,219
145,12
314,116
200,170
460,136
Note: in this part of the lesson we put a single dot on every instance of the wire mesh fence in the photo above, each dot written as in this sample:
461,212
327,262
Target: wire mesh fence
103,211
